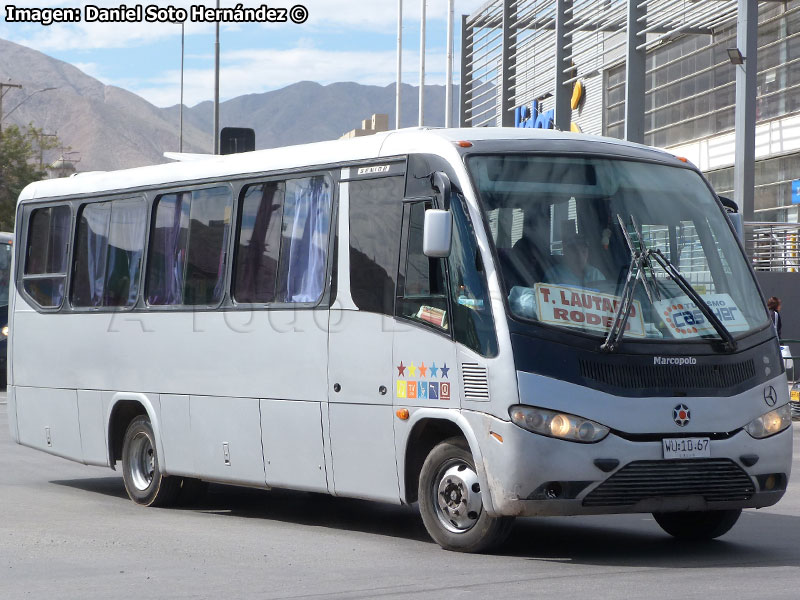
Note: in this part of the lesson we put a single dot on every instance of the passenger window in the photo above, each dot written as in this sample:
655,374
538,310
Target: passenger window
376,213
424,294
108,253
305,239
45,270
259,242
188,247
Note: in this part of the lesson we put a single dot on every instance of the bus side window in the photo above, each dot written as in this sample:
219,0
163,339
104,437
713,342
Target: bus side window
108,253
473,324
305,238
259,242
423,296
376,212
188,247
45,273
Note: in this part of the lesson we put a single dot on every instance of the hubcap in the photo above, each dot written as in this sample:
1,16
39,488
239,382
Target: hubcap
143,461
458,496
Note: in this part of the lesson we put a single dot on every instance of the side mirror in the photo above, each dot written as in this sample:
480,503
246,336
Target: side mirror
437,234
733,214
441,185
729,205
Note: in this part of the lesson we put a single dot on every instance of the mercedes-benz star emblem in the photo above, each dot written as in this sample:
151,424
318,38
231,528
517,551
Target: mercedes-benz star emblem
681,415
770,395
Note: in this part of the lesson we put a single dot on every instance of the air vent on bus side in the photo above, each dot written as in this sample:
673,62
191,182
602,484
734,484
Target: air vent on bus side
683,377
476,381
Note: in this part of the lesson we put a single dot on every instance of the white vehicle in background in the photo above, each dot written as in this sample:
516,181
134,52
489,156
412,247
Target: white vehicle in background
489,322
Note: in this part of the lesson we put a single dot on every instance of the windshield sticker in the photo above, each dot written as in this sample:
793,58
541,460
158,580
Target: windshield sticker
584,309
684,319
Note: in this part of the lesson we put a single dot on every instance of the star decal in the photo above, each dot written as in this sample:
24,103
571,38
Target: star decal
412,370
422,369
401,370
434,369
445,370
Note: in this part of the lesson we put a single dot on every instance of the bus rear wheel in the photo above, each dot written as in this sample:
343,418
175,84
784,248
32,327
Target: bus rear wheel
698,525
144,482
451,504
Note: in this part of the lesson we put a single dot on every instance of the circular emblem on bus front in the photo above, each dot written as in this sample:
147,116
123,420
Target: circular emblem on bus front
770,396
681,415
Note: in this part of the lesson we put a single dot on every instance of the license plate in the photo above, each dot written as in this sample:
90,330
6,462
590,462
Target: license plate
686,448
795,395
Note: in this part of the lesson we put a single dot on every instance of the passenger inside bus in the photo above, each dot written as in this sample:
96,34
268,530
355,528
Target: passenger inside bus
574,269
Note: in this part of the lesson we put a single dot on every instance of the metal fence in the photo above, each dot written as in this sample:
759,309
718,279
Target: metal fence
773,246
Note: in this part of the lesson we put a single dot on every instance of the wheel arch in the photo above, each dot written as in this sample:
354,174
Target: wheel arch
427,428
122,409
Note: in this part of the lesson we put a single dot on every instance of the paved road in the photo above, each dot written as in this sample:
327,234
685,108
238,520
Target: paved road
69,531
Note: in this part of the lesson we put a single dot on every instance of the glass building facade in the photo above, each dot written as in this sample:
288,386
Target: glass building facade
690,82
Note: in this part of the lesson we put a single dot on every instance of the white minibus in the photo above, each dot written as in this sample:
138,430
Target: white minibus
489,322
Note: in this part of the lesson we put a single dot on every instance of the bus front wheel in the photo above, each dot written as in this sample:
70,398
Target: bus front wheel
451,504
698,525
144,482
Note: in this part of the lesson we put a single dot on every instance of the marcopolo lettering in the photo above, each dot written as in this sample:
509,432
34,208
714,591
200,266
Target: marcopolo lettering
674,360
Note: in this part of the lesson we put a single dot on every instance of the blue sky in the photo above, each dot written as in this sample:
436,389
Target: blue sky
342,40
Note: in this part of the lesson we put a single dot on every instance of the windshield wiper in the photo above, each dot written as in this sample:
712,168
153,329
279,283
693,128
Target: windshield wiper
640,261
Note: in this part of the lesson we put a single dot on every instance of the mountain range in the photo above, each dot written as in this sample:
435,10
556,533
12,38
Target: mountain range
110,128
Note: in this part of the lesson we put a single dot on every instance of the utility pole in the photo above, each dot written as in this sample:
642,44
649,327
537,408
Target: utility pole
4,87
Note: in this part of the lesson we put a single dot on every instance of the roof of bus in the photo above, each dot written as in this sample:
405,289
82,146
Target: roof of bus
385,144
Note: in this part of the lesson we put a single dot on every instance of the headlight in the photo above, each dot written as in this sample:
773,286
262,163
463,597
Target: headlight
4,330
556,424
770,423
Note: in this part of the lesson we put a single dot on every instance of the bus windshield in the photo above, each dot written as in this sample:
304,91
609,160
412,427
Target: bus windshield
566,230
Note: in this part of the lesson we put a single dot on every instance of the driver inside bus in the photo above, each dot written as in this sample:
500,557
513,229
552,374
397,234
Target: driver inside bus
574,269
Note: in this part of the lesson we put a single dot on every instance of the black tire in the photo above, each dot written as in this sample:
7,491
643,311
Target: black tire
459,522
698,525
144,481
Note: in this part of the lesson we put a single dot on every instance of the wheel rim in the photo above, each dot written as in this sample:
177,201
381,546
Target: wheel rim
457,496
143,461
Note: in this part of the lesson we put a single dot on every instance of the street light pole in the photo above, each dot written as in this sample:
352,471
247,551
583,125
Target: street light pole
180,110
216,89
422,65
399,62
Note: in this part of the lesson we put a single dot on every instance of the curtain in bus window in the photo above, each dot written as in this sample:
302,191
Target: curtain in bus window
306,221
91,251
209,227
125,247
108,251
259,243
189,241
165,274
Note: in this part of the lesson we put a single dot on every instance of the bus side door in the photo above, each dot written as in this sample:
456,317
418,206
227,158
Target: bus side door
361,421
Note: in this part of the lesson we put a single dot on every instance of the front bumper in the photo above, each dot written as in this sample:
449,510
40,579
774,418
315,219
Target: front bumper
530,474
